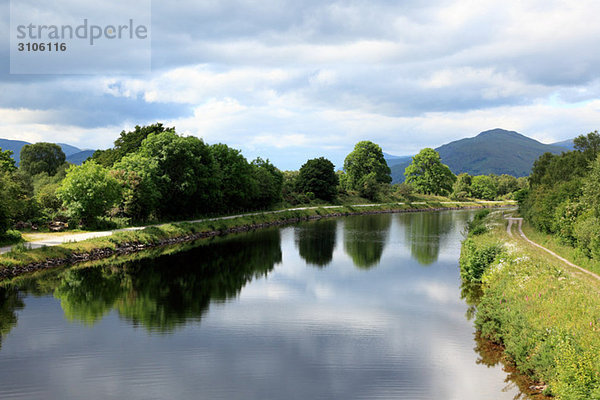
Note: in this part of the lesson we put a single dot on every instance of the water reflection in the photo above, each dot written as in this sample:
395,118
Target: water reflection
316,241
365,238
424,233
165,292
10,301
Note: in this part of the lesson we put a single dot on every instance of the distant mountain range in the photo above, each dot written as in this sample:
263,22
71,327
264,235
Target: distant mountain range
496,151
74,154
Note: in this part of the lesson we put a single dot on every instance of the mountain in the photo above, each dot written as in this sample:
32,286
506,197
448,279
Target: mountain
74,154
393,160
496,151
79,157
68,149
568,144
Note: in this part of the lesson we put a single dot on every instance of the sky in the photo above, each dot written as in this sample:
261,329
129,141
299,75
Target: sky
292,80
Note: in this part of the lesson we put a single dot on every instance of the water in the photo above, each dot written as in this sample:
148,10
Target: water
364,307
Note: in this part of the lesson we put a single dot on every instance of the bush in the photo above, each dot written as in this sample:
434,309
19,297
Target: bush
476,257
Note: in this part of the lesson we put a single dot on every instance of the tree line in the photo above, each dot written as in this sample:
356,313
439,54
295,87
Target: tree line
152,173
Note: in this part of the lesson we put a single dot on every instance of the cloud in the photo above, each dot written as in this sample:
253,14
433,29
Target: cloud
293,80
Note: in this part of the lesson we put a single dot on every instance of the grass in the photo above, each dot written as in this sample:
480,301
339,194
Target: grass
545,314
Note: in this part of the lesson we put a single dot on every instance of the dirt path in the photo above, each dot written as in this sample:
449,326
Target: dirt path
519,222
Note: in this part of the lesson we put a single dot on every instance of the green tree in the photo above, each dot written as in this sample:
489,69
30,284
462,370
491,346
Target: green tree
137,176
588,144
318,176
269,180
88,191
462,187
366,167
236,186
42,157
185,171
128,142
506,184
428,175
591,188
7,163
484,187
5,203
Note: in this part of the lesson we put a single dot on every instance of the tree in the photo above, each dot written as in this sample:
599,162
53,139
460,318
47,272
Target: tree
588,144
128,142
591,188
236,186
484,187
41,157
88,191
318,176
7,163
269,181
137,176
5,209
506,184
462,187
185,171
366,167
428,175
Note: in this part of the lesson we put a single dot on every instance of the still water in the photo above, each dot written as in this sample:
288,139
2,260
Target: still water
365,307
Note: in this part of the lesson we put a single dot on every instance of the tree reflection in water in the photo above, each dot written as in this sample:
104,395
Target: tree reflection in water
165,292
365,238
10,302
316,241
424,232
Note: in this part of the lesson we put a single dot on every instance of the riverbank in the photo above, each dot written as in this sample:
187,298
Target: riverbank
21,260
544,313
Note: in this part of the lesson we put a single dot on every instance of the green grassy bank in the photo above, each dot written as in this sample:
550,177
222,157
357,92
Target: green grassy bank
21,260
545,314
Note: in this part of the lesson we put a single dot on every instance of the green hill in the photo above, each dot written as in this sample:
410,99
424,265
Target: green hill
496,151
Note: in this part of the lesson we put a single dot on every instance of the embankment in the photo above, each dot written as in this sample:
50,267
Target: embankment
545,314
21,260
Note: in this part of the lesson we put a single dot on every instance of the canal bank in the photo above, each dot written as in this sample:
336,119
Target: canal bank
21,260
543,312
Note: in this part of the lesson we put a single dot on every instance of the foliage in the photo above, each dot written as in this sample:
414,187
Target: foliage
184,173
88,191
128,142
318,176
7,163
476,257
588,144
428,175
137,176
269,180
42,157
365,167
545,317
236,184
484,187
461,189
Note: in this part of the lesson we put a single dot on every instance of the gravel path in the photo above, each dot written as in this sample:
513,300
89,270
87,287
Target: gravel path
519,222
